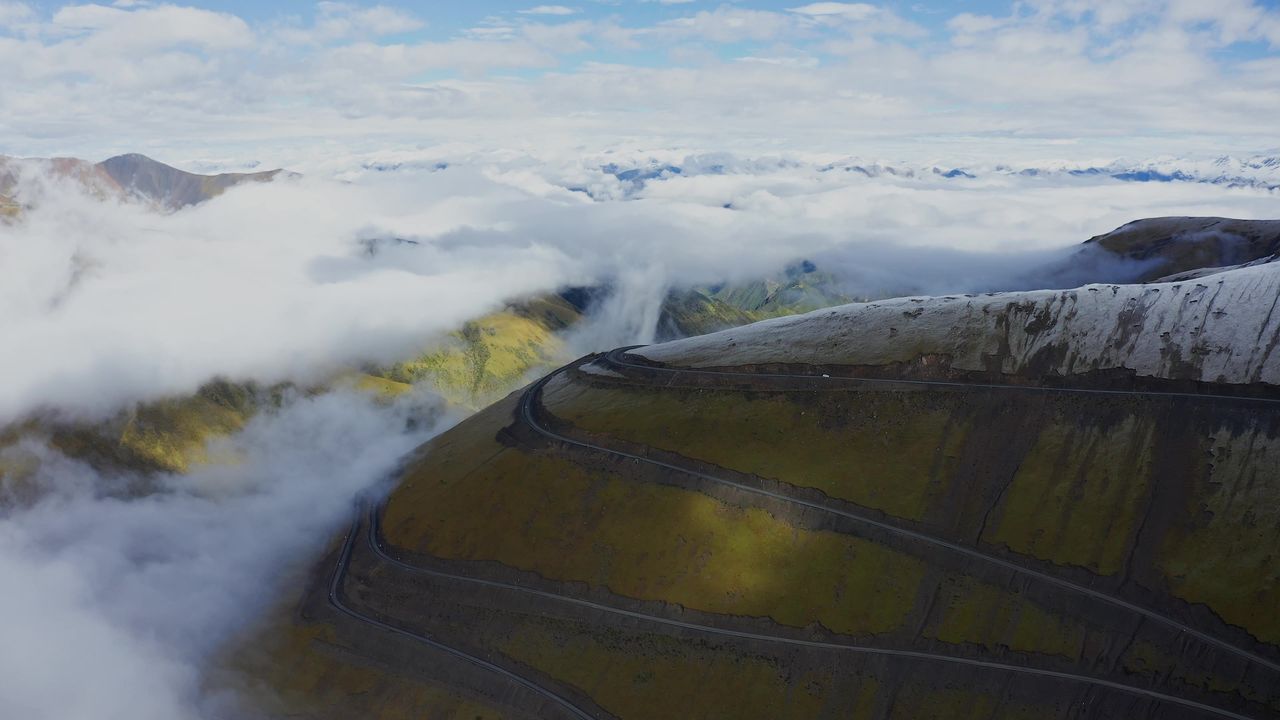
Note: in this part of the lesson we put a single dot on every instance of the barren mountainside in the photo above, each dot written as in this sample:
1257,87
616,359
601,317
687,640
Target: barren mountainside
170,187
122,176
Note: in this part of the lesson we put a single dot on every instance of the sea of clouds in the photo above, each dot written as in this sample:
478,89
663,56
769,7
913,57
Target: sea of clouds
104,304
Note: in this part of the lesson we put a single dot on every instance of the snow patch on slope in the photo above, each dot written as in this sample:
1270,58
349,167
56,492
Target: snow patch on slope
1218,329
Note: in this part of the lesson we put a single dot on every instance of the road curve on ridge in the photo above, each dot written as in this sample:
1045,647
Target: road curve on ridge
335,600
375,542
532,395
614,357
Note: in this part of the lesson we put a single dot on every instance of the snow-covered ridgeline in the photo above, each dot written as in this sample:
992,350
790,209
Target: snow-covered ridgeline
1222,328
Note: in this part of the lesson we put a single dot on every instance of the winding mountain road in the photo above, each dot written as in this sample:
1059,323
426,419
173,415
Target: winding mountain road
615,358
335,600
530,402
376,543
532,397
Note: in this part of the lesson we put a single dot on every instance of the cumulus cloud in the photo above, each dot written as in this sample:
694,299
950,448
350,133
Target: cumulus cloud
260,282
549,10
114,31
726,24
339,21
1125,77
14,12
853,10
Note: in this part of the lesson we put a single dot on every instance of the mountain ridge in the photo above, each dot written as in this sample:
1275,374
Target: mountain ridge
918,507
122,176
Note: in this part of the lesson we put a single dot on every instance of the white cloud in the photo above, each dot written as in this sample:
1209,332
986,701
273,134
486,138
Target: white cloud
112,30
726,24
80,274
1233,20
129,597
340,21
856,11
12,13
967,23
90,80
787,60
549,10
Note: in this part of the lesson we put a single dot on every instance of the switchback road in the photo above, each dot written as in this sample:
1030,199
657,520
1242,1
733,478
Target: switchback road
335,599
379,548
532,398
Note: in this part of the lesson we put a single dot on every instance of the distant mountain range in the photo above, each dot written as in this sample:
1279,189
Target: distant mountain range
1258,171
171,189
133,175
614,178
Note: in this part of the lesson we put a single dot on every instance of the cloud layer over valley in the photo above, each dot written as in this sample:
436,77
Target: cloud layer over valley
105,303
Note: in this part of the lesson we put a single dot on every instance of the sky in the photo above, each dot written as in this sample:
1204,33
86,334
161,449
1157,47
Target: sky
239,82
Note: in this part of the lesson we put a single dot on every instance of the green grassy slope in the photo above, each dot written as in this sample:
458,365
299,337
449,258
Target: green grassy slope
1141,499
490,356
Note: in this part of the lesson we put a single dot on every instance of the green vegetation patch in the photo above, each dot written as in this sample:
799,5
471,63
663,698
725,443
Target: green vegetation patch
633,675
166,435
882,450
1078,495
1227,553
653,676
490,356
1144,658
646,541
961,704
9,209
301,670
976,612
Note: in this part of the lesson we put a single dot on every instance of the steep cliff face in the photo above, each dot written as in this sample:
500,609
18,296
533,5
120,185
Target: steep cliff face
1047,504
